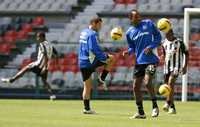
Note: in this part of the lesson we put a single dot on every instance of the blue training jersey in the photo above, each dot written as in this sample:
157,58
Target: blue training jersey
89,50
145,34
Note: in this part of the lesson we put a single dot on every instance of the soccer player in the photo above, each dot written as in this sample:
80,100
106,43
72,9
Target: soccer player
91,57
143,38
40,66
174,52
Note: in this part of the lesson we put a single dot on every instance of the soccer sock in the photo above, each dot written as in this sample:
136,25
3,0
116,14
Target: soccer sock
86,104
154,103
12,80
172,106
169,102
104,74
140,108
48,88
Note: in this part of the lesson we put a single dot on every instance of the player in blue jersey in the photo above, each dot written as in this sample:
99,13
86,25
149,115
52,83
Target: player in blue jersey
91,57
143,38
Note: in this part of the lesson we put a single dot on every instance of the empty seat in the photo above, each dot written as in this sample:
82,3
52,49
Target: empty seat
129,78
27,28
122,69
12,6
38,21
44,7
120,7
118,78
120,1
69,78
5,49
56,75
130,7
22,7
77,82
22,35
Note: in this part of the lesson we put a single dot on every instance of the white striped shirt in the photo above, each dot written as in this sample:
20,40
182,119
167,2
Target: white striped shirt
44,54
174,55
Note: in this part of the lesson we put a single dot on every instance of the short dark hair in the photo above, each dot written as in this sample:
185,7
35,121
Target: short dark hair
41,34
130,13
95,20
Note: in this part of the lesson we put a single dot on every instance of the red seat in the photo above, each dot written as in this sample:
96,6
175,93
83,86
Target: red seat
71,55
73,68
195,37
120,1
22,35
118,56
38,21
10,39
11,33
63,61
52,68
5,48
1,39
10,36
73,61
193,64
27,28
53,62
120,62
131,1
64,68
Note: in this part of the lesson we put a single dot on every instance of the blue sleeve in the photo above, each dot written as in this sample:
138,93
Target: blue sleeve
94,47
131,45
156,37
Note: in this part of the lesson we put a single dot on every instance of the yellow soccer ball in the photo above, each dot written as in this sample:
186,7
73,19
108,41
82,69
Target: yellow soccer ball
164,25
164,90
116,33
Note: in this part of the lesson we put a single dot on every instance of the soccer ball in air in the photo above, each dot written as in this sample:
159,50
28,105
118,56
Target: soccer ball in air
116,33
164,25
164,90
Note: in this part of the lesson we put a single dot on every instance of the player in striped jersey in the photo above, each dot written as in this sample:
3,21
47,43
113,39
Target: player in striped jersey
40,66
176,59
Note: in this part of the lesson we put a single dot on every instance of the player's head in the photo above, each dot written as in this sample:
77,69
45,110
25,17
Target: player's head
170,35
95,23
40,36
134,17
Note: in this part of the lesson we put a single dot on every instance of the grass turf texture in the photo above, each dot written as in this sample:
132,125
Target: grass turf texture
68,113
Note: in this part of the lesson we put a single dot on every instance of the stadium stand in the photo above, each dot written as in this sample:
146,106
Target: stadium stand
37,5
16,41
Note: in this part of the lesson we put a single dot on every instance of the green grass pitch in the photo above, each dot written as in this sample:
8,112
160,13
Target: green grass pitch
68,113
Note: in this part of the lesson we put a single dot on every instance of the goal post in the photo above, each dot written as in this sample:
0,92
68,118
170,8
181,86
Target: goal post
186,31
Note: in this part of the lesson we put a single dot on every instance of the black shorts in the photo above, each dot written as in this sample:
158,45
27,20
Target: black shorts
87,72
141,69
37,71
